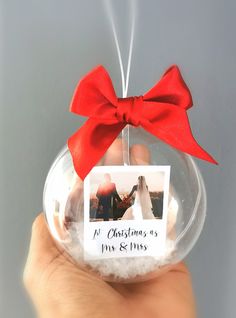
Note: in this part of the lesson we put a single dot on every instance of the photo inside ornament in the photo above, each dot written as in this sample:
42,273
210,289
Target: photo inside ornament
150,222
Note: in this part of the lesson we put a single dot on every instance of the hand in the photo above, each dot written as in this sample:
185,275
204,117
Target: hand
60,288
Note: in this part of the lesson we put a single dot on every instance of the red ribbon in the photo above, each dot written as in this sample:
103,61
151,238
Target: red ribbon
162,111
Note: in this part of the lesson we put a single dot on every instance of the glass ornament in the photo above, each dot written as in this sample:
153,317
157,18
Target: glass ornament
63,202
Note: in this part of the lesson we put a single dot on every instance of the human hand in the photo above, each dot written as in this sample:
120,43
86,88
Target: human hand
60,288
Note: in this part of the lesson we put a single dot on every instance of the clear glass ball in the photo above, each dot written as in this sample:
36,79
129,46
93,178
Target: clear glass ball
63,202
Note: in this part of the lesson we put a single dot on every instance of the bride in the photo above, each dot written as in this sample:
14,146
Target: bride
142,207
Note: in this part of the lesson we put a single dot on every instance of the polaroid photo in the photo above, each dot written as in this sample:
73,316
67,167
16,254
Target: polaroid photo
125,211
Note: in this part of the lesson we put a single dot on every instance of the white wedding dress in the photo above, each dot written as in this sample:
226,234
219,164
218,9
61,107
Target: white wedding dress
142,207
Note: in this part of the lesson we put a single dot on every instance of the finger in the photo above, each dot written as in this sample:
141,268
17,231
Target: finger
42,249
177,277
178,285
114,154
140,155
41,239
180,268
74,203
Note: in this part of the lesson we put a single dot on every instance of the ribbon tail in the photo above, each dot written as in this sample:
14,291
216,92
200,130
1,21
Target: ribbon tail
176,132
88,145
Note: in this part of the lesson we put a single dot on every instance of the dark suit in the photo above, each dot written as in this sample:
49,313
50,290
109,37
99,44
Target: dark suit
107,196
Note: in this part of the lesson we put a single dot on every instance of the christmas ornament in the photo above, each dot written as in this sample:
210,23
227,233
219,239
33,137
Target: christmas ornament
128,206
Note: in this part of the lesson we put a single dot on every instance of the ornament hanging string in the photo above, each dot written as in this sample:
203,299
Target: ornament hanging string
124,79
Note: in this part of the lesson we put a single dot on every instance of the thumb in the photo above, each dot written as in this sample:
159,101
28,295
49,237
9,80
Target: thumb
42,250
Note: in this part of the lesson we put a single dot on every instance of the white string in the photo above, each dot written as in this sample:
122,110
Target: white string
133,12
111,18
124,81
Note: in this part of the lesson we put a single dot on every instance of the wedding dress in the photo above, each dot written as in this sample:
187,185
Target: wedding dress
142,207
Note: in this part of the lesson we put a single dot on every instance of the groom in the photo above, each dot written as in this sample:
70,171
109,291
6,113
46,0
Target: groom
107,196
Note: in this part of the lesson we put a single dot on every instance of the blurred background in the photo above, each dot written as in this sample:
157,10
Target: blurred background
45,47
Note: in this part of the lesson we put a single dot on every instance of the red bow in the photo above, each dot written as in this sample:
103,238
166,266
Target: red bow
161,111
